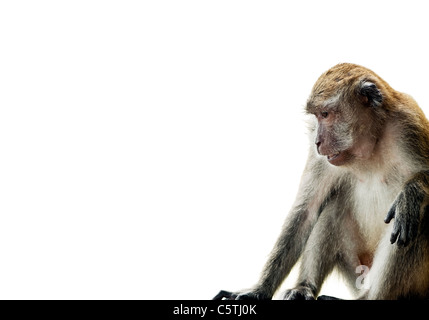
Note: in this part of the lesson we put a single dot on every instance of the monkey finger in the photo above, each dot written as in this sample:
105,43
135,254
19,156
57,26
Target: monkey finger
395,233
403,237
247,296
390,214
225,294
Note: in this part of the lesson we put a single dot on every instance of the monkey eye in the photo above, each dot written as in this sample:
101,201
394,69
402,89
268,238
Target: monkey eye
324,114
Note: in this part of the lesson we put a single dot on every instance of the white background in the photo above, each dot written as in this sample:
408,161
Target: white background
152,149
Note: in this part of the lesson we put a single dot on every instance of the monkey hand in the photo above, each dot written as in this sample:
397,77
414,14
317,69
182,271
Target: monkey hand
299,293
251,295
406,211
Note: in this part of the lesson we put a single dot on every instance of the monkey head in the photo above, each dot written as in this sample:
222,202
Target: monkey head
348,104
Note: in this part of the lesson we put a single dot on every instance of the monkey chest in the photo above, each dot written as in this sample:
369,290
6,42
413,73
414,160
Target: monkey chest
372,200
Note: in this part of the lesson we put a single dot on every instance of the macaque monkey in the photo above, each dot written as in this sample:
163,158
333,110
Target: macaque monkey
363,199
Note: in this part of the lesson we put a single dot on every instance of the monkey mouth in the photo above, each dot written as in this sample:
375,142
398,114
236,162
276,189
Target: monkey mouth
332,157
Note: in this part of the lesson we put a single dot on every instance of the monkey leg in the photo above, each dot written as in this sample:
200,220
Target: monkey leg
401,272
319,257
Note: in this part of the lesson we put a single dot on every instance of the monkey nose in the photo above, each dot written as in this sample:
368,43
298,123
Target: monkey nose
318,143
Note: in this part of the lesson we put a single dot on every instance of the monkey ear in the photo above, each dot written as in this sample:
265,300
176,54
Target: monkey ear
371,93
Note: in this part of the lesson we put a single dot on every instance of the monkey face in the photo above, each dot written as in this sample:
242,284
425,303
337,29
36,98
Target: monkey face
334,136
344,134
348,107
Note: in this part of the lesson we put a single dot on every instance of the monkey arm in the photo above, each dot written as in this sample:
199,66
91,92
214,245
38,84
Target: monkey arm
408,208
283,257
287,250
314,193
